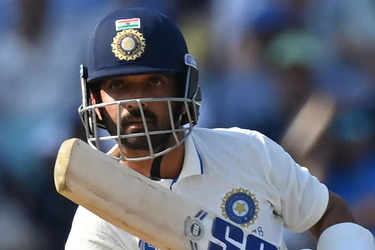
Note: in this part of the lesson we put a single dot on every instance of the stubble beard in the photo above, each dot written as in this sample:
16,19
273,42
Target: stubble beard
159,142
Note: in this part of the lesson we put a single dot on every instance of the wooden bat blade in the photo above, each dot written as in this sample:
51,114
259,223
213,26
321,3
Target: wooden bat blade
122,196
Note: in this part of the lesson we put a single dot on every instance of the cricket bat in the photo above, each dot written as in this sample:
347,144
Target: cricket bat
129,200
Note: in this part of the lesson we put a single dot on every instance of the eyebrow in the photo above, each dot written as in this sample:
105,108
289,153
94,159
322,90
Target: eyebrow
167,77
163,77
104,83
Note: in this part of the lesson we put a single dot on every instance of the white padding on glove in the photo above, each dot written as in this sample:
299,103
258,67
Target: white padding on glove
345,236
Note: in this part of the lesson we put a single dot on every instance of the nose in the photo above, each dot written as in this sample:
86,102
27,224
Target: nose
135,105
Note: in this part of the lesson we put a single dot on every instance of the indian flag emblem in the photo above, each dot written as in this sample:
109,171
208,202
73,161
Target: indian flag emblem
123,24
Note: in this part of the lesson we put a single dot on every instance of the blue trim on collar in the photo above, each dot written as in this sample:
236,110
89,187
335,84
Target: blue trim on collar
202,171
143,245
173,182
200,161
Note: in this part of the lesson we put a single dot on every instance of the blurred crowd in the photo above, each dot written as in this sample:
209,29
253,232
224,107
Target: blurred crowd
300,71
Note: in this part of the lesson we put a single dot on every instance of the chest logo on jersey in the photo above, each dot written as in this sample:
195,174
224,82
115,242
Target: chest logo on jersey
240,206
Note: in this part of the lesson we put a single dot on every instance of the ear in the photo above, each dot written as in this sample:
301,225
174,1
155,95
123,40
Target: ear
95,100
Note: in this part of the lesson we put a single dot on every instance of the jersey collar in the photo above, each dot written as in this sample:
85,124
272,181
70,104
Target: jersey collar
192,160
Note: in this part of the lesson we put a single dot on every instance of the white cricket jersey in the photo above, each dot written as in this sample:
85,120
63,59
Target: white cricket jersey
241,175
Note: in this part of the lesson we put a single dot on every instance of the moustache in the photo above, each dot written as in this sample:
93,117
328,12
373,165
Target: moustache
135,116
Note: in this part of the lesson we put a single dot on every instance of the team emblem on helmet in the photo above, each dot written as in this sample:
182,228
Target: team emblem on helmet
240,206
128,45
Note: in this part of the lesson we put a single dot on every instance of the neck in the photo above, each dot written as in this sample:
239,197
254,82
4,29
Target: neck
170,166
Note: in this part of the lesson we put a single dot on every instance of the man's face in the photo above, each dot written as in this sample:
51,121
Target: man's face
156,113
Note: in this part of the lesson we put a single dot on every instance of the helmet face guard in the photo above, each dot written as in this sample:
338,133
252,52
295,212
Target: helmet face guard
139,41
181,121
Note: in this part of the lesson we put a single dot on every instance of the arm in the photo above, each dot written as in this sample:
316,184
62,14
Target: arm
306,204
337,212
336,228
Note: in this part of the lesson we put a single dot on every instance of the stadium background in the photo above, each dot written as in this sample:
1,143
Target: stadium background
300,71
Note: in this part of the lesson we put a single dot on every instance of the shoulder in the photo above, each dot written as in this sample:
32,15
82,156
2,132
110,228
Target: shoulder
246,149
90,229
233,133
85,217
242,147
232,139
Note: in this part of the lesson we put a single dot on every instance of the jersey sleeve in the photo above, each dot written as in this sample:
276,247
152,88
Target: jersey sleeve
302,199
90,232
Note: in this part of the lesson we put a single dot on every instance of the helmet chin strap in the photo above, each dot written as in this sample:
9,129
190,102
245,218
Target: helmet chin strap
155,168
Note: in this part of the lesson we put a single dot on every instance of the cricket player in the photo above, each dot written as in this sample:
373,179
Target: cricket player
141,85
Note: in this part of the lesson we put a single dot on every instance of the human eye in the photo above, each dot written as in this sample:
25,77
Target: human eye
115,86
155,82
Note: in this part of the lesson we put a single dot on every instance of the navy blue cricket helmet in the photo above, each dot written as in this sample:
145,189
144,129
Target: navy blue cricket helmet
138,41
